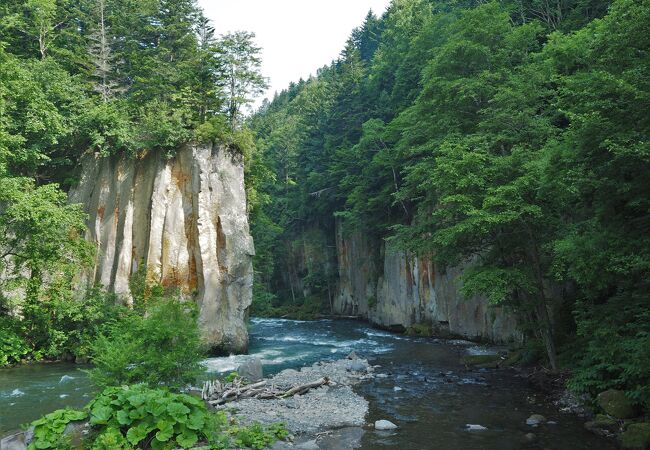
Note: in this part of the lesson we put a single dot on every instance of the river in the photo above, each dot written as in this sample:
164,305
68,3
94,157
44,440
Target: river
427,392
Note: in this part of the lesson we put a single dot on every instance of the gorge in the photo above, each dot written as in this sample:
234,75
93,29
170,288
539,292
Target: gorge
451,210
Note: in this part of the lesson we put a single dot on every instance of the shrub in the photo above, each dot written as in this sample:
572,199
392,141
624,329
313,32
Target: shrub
13,347
136,416
161,347
48,430
616,339
154,418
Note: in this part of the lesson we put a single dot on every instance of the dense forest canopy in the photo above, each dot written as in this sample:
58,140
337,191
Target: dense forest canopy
512,133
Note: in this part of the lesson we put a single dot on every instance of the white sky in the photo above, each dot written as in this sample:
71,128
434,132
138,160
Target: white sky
297,36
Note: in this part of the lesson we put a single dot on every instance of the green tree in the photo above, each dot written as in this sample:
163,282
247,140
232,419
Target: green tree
239,73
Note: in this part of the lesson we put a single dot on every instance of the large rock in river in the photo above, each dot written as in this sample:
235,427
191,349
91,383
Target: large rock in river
616,404
185,220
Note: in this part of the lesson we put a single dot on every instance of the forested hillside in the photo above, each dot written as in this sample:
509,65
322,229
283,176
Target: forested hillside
510,133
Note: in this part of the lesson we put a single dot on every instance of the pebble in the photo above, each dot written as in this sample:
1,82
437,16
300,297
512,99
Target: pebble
384,425
397,388
474,427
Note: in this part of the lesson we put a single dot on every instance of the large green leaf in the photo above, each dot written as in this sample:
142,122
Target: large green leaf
100,415
136,434
187,439
123,418
166,431
178,411
196,420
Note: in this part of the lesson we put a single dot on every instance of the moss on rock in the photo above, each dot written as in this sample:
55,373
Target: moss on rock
616,404
636,437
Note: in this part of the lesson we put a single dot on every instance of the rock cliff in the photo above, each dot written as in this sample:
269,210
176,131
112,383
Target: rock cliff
185,219
396,290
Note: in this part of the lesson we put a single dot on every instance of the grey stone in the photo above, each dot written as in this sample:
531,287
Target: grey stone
251,369
15,441
308,445
185,219
77,432
535,419
384,425
342,439
357,366
353,355
282,445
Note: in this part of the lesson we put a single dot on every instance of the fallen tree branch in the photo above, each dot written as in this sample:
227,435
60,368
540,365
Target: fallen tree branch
216,394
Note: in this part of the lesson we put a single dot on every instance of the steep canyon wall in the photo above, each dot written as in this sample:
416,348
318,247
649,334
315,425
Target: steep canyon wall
185,219
396,290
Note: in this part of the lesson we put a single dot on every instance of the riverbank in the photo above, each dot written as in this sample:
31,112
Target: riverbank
421,385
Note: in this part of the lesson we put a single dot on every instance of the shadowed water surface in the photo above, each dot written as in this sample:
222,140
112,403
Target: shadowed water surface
438,397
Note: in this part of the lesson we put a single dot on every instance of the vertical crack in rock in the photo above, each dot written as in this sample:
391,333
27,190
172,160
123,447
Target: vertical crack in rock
184,218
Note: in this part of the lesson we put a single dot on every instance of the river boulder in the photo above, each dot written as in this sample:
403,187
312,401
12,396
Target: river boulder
385,425
616,404
535,420
636,437
251,369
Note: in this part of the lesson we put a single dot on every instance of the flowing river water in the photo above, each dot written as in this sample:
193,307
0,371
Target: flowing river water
427,391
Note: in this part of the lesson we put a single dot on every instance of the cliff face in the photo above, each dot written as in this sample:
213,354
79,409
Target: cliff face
183,218
394,289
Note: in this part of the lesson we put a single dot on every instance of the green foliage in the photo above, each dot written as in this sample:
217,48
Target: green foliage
257,436
615,338
217,129
41,235
48,430
232,376
151,418
111,438
223,433
13,347
160,347
137,416
509,137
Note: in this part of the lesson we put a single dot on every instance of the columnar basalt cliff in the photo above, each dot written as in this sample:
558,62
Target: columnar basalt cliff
185,219
396,290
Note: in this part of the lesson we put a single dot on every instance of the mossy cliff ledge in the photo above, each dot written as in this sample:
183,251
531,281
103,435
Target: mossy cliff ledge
185,219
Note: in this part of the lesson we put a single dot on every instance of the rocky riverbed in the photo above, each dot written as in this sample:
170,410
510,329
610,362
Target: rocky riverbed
333,405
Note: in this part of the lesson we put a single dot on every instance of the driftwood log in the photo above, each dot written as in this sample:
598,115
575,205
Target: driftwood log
216,393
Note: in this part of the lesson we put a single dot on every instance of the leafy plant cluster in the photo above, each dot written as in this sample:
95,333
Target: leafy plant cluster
48,430
136,416
154,417
512,134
